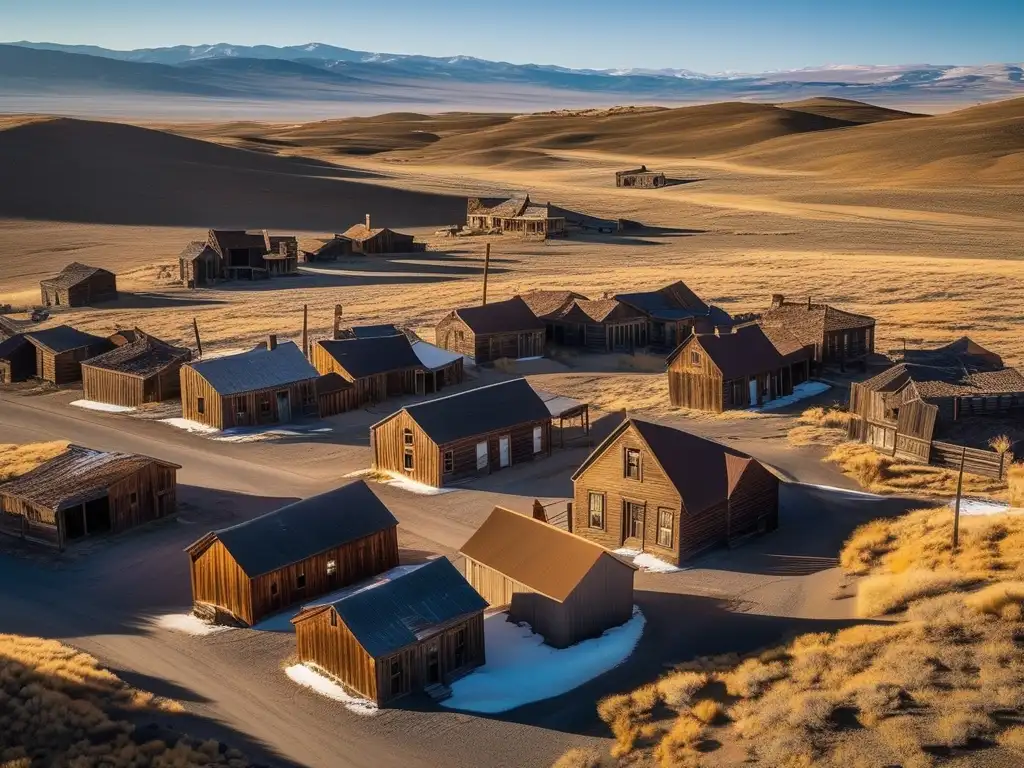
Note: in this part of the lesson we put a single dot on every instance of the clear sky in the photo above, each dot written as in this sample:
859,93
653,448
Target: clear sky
708,36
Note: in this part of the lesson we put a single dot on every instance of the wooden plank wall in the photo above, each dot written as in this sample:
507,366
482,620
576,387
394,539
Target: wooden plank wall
494,587
336,651
333,403
520,449
106,386
494,346
217,580
976,460
754,504
155,489
696,385
602,600
223,412
389,450
446,336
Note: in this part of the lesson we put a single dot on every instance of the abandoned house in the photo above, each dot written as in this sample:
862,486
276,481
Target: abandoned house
640,177
61,350
838,337
504,329
475,432
598,325
17,359
330,249
516,215
566,588
741,367
419,631
271,384
145,370
199,264
379,367
78,285
938,393
656,489
369,240
335,394
83,492
673,313
242,255
292,555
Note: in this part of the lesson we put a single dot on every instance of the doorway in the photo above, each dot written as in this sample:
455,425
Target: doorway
753,392
74,523
504,454
97,515
433,664
481,455
633,521
421,383
284,406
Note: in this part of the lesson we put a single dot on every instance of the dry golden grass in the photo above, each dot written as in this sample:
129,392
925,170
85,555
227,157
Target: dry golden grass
679,688
891,592
578,757
58,707
1015,484
676,748
17,460
820,426
1013,738
708,711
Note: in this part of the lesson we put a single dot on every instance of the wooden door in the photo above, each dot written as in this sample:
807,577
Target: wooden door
421,383
537,442
633,522
284,406
504,451
481,455
753,391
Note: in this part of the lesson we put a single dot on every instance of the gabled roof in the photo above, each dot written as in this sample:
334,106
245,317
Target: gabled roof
73,274
431,357
373,331
371,356
546,559
947,380
64,338
9,347
813,319
303,529
965,351
673,302
477,411
500,317
789,346
505,209
598,310
9,327
258,368
745,351
361,233
547,304
194,250
390,615
75,477
146,356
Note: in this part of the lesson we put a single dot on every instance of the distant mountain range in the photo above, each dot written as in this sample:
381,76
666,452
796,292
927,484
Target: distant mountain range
324,73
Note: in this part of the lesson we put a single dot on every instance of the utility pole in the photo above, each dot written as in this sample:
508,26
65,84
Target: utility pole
956,511
199,344
487,268
305,325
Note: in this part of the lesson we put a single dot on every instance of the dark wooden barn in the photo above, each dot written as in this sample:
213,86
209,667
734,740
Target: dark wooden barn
145,370
297,553
372,240
640,177
741,368
420,631
78,285
598,325
566,588
271,384
378,367
839,337
660,490
469,433
199,264
504,329
17,359
673,313
253,255
84,492
61,350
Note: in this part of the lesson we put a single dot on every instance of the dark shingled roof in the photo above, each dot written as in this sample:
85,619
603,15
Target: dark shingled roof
305,528
374,331
673,302
478,411
746,351
394,614
371,356
10,346
810,321
947,381
964,351
64,338
501,317
549,304
73,274
332,382
194,250
146,356
256,369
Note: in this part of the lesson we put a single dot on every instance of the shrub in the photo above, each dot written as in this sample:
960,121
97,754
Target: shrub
578,758
956,729
752,677
1013,738
1001,444
888,593
1015,483
708,711
676,747
679,688
996,598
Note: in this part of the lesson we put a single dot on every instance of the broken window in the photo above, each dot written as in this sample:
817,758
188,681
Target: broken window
596,510
632,469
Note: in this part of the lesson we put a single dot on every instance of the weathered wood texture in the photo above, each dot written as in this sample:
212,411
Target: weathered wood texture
201,402
976,460
19,365
100,287
342,401
105,386
453,334
64,367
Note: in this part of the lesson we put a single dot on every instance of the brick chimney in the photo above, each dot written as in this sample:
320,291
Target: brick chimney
777,300
367,221
272,342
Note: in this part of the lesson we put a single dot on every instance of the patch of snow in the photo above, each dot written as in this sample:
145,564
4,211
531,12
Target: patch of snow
521,669
646,561
849,491
190,426
325,686
92,405
525,359
979,507
421,489
800,392
255,434
189,624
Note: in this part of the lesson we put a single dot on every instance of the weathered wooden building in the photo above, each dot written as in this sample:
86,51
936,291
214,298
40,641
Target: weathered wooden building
61,350
740,368
242,255
78,285
17,359
441,368
335,395
145,370
489,332
373,240
660,490
640,177
199,264
566,588
673,313
475,432
295,554
331,249
516,215
379,367
839,337
83,492
599,325
420,631
267,385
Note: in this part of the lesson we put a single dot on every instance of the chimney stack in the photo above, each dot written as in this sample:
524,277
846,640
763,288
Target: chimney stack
808,303
367,221
272,342
777,300
337,320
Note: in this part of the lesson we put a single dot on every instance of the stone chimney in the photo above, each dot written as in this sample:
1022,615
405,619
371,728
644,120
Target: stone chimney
367,221
272,342
777,300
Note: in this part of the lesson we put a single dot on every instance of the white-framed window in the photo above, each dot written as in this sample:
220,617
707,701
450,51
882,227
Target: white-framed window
407,446
332,567
632,464
596,503
666,524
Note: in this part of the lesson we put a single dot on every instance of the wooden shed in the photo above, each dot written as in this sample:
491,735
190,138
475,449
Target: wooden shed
146,370
566,588
17,359
504,329
267,385
640,177
371,240
61,350
441,368
417,632
601,325
199,264
475,432
657,489
292,555
78,285
839,337
673,313
84,492
253,255
378,367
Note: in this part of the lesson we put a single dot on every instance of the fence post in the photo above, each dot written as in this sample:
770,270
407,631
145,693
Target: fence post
956,511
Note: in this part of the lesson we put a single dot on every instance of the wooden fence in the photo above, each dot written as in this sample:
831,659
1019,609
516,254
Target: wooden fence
976,461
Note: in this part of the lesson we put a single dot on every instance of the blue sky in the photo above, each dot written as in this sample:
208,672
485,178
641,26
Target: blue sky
710,36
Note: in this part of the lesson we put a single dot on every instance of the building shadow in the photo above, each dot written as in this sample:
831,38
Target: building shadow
150,300
673,182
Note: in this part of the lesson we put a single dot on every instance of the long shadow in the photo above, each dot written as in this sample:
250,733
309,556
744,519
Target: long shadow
325,280
408,263
157,301
679,182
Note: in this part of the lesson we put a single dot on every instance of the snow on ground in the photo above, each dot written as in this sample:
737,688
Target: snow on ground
527,359
407,484
187,623
646,562
325,686
190,426
800,392
520,669
980,507
92,405
255,434
835,489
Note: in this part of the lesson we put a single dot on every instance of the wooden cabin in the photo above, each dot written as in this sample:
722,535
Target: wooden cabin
145,370
331,249
601,325
441,368
61,350
335,395
741,368
369,240
839,337
378,367
673,313
516,215
274,384
199,264
419,631
504,329
566,588
660,490
295,554
244,255
84,493
17,359
470,433
78,285
640,177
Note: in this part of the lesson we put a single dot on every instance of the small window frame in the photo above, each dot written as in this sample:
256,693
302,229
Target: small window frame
448,462
200,405
668,529
603,517
628,470
300,580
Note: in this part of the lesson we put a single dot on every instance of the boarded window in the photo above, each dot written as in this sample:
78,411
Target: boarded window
596,510
201,404
300,581
449,462
133,499
273,588
396,675
407,461
334,619
666,519
695,358
632,469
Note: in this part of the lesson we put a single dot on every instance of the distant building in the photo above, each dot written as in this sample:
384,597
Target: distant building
144,370
673,313
839,337
369,240
231,254
518,215
78,285
61,350
17,359
640,177
600,325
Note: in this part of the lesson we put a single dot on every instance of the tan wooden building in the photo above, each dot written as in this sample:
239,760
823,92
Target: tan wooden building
420,631
660,490
673,313
232,254
376,240
83,493
840,338
470,433
566,588
503,329
516,215
598,325
78,285
254,569
145,370
61,350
